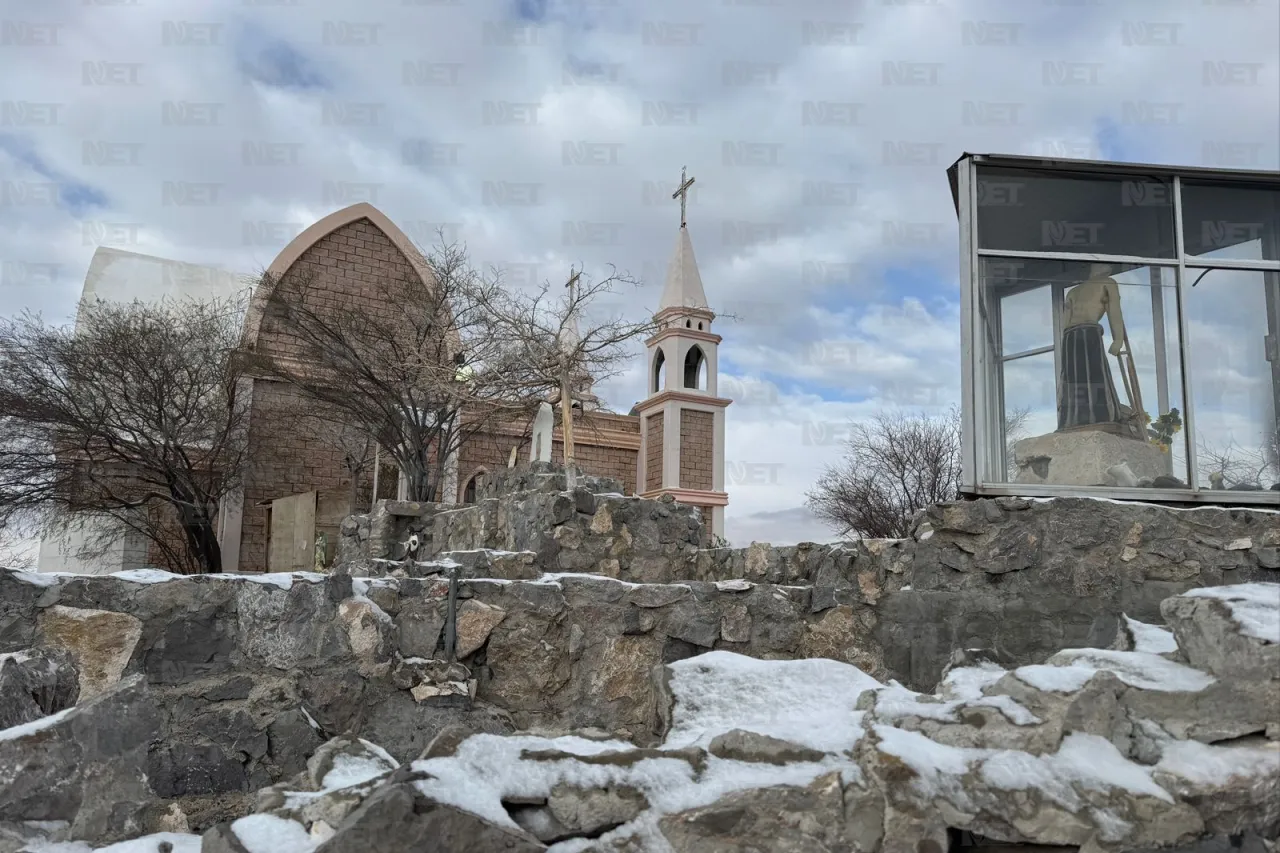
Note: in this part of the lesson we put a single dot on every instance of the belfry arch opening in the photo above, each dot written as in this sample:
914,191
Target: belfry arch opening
659,372
695,369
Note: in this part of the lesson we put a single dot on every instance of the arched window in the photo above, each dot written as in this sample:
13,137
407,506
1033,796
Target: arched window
469,492
695,369
659,372
688,324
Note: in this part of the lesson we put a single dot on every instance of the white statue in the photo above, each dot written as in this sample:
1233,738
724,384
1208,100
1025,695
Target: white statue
543,423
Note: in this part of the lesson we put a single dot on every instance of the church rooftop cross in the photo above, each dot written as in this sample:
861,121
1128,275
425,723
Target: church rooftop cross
683,193
573,280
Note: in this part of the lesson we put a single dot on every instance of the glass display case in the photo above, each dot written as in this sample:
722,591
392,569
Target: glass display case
1121,330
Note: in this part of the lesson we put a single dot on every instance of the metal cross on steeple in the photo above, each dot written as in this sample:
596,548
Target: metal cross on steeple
683,194
573,279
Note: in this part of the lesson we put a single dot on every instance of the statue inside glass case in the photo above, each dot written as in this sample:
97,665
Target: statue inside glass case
1100,440
1088,397
1088,394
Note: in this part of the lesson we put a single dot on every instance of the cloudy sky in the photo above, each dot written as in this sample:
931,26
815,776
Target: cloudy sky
545,133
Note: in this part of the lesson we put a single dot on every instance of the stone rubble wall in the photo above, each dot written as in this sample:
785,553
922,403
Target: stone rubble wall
593,529
1028,577
570,651
1023,577
249,676
542,477
1167,742
568,602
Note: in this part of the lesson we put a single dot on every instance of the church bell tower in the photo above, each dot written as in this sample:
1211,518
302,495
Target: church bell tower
682,416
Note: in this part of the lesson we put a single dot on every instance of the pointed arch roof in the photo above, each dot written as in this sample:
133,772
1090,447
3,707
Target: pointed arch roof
318,230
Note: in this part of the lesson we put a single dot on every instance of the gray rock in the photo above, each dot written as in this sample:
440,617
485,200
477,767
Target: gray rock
221,839
446,743
397,817
191,646
34,684
694,623
85,765
290,739
418,626
1235,804
740,745
538,821
191,768
22,837
339,752
594,811
782,819
476,620
404,728
1212,640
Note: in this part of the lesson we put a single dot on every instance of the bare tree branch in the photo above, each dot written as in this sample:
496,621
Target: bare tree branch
563,342
419,366
1231,466
895,465
134,417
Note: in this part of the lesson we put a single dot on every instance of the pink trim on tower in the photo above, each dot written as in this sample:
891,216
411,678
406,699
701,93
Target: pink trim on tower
693,497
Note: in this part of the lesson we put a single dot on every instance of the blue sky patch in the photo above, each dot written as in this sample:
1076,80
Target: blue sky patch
1111,145
533,11
76,196
272,61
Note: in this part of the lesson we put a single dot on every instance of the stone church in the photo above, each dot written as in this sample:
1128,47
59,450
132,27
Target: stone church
671,442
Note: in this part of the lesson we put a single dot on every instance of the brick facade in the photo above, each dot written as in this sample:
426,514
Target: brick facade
347,264
615,463
283,463
605,445
697,449
653,452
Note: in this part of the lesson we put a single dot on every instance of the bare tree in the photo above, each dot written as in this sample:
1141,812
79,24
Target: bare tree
422,366
133,418
419,366
16,548
1232,466
895,464
1015,429
563,343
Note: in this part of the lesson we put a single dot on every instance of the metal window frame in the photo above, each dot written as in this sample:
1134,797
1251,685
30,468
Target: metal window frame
977,450
1228,264
970,397
1185,344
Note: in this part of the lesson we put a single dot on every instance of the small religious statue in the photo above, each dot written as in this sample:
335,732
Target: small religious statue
543,424
321,552
1088,398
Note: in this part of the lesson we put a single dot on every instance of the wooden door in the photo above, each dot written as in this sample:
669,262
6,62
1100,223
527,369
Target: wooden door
293,533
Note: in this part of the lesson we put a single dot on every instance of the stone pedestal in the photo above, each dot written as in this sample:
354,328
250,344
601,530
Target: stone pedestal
1082,457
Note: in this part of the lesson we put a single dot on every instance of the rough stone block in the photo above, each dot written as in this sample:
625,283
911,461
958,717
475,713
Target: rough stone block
1082,457
86,765
101,642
